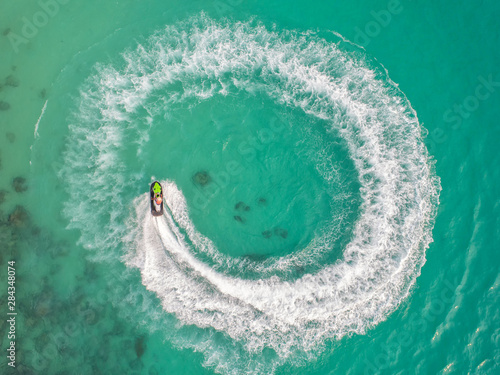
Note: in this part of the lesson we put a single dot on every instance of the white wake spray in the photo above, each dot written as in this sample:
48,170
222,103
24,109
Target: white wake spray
399,189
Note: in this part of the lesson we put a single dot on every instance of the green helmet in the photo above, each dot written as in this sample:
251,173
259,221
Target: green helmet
157,188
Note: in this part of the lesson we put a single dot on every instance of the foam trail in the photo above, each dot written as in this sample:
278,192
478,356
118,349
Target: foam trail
35,133
293,318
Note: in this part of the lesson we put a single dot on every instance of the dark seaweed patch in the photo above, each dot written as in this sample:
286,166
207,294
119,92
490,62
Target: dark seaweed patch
202,178
241,206
12,81
4,106
283,233
19,184
240,219
19,217
267,234
140,346
262,201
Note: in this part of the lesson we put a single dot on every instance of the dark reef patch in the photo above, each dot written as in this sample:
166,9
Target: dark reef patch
19,184
140,346
283,233
241,206
19,217
4,106
262,201
202,178
240,219
267,234
12,81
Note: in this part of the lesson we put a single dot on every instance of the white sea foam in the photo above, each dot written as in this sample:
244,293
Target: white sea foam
294,318
35,133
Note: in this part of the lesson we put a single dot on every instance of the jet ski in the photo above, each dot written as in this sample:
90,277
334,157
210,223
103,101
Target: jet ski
156,194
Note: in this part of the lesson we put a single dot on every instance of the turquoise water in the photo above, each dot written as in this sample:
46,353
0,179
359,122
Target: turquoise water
329,175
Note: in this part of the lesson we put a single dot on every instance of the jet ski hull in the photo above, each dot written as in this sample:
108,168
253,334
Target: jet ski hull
156,210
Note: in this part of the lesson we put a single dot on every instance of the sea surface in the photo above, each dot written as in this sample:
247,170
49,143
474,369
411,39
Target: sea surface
331,180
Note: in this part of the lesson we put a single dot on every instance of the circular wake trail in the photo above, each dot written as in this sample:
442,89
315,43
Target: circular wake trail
294,317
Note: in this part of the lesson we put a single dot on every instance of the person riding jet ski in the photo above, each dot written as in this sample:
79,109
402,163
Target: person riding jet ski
156,193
